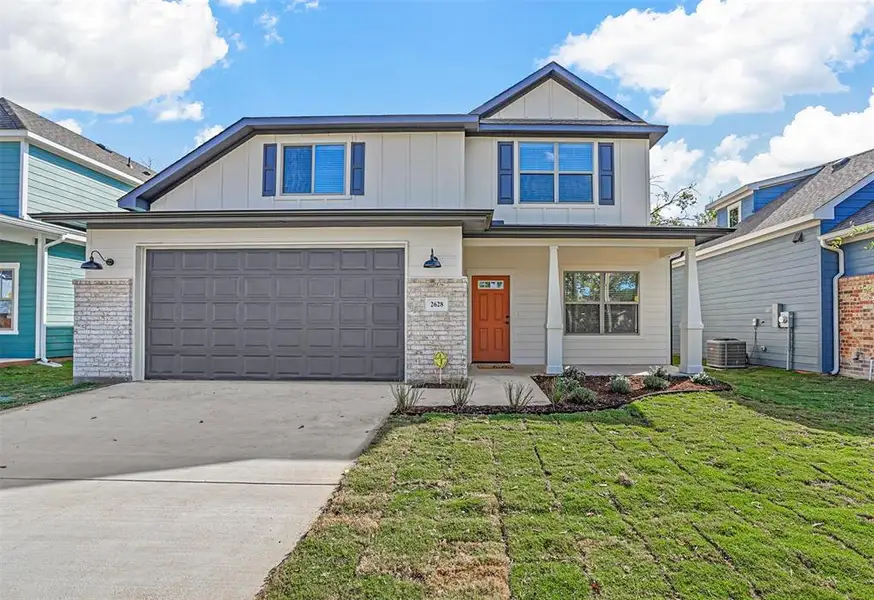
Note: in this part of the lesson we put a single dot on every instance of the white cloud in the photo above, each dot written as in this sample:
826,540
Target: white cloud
269,22
177,109
814,136
672,165
239,44
207,133
732,145
235,3
122,120
726,57
303,5
71,124
104,55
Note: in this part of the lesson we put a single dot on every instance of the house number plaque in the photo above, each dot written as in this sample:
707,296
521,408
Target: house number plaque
436,304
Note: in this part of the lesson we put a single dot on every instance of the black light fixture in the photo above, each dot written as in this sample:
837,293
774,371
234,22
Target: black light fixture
93,265
798,237
433,262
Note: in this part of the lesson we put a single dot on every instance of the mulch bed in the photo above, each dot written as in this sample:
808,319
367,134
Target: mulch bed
606,399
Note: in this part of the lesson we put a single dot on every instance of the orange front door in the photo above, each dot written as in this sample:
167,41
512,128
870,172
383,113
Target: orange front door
491,319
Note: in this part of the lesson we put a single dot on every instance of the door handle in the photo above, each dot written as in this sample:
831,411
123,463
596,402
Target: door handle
507,320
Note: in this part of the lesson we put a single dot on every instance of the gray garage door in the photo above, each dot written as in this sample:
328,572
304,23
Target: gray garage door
275,314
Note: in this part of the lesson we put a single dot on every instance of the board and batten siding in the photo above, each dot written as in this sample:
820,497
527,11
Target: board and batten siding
10,178
738,286
631,158
56,184
401,170
528,267
22,344
550,100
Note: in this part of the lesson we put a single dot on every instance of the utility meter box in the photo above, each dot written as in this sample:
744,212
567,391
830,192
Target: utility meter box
776,311
786,320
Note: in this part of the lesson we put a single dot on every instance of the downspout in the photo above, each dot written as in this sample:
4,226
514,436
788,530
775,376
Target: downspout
836,313
44,300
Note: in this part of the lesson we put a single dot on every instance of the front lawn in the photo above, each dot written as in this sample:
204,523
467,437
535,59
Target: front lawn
33,383
687,496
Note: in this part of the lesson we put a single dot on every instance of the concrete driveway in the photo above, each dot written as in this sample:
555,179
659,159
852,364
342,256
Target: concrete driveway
171,489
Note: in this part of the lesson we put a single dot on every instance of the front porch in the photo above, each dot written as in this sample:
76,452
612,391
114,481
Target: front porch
600,304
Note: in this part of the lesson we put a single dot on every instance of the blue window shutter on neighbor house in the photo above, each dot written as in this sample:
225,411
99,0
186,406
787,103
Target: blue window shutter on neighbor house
357,169
268,178
722,217
505,172
606,187
330,169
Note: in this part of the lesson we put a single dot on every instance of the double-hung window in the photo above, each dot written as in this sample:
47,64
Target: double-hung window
314,169
556,171
8,298
601,303
734,215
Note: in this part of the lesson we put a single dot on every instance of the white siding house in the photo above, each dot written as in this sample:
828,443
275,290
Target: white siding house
357,247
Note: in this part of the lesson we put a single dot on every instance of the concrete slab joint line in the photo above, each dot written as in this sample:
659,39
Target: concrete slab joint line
431,332
102,330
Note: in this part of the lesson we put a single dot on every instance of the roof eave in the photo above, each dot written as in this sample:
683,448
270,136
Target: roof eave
607,232
745,190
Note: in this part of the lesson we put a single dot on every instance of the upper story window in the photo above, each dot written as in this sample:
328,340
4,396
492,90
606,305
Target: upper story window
562,171
314,169
734,215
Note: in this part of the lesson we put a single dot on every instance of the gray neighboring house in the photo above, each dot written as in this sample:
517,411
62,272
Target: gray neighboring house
783,251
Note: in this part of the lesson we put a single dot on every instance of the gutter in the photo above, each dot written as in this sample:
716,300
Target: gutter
836,313
43,275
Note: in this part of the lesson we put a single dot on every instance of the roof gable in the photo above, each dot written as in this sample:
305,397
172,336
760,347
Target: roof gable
544,98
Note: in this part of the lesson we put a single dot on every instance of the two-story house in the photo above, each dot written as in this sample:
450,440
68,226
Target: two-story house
45,167
802,244
356,247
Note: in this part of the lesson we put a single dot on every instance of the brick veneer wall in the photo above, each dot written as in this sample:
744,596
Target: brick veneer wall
430,332
856,301
102,330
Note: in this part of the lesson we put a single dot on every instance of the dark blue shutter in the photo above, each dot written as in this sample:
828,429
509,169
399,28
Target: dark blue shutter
606,168
505,172
268,177
357,169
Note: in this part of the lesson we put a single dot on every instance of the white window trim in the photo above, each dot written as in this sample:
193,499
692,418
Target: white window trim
740,214
517,179
602,303
15,267
346,194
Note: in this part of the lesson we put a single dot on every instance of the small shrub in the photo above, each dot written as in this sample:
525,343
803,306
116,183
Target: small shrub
620,384
518,394
581,396
702,378
654,382
461,391
560,388
406,396
660,371
575,373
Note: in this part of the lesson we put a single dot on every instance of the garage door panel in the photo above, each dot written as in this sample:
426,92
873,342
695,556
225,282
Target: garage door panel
275,314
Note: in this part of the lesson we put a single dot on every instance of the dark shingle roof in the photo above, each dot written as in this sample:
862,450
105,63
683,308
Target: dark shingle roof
866,215
13,116
810,194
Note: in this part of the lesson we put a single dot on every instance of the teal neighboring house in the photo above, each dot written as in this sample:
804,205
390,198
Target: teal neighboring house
45,167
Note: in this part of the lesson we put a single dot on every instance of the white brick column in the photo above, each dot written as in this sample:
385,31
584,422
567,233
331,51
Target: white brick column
691,324
554,325
429,332
102,330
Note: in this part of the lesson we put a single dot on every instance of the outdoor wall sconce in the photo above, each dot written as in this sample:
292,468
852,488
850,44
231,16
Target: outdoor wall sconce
93,265
433,262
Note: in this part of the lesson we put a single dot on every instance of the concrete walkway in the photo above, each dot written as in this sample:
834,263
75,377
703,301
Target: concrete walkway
170,489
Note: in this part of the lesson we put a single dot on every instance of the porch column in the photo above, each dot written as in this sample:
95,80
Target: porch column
691,325
554,327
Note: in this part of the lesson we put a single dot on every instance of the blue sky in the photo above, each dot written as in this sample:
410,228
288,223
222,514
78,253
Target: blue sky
710,69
